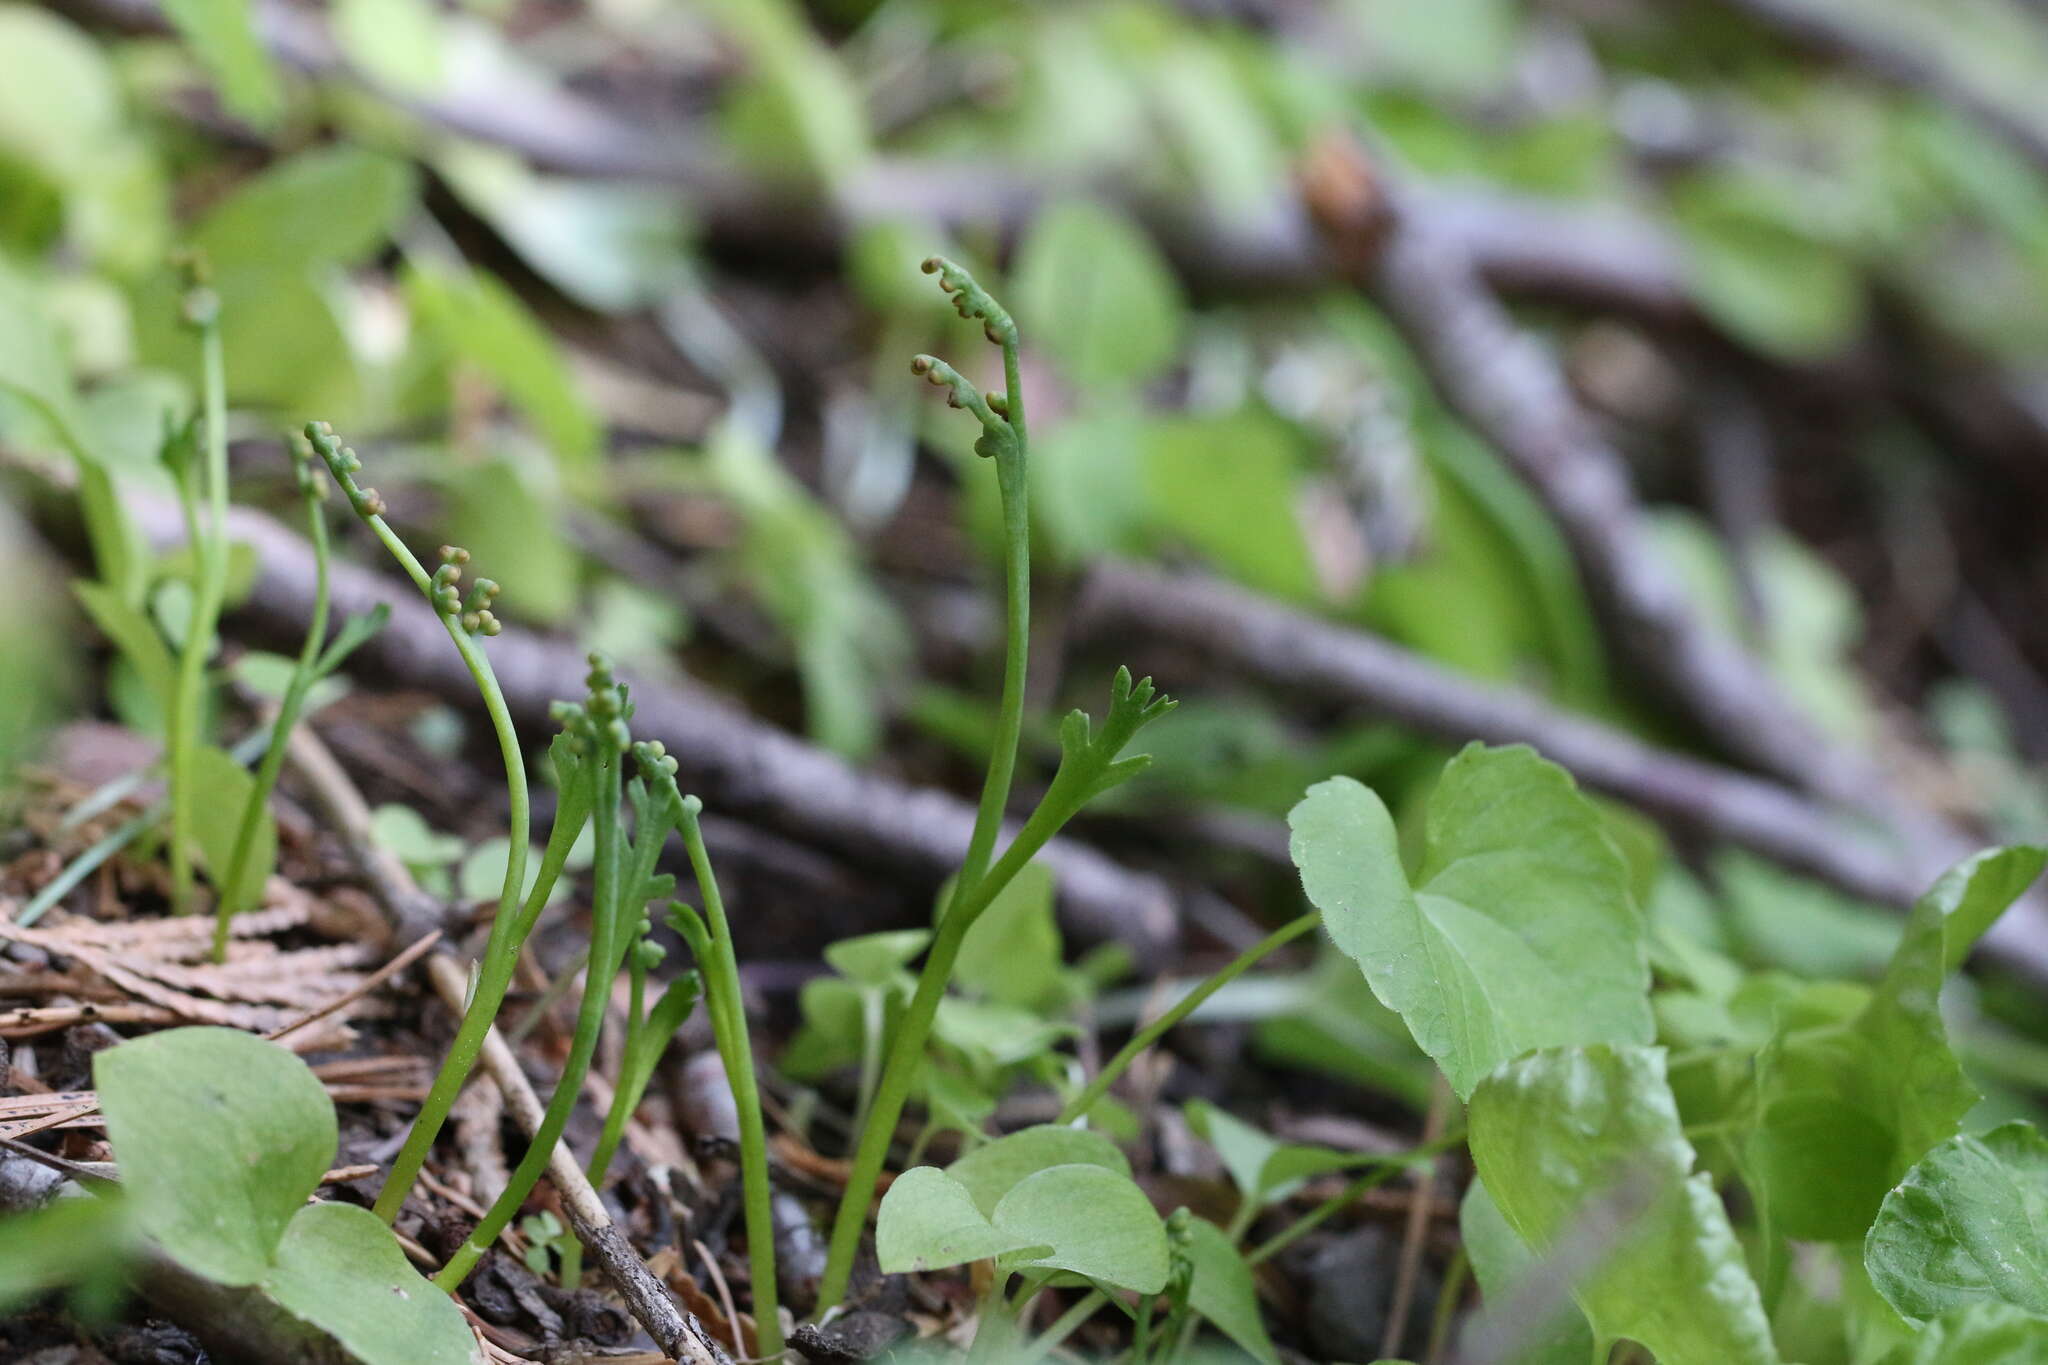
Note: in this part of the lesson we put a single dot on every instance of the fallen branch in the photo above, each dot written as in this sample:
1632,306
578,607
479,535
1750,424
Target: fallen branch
1838,32
1268,642
1513,393
1258,638
1600,257
742,766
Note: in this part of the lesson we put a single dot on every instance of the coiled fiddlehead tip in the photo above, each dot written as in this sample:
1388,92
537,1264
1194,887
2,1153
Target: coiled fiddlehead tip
971,301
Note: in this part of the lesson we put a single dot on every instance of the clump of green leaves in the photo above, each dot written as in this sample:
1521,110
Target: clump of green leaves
1517,955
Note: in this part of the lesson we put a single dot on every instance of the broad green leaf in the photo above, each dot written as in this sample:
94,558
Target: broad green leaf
482,875
1554,1132
831,1034
82,1242
340,1269
329,206
801,109
1986,1334
223,36
274,245
1095,293
222,788
398,42
1452,47
1762,277
279,332
1494,590
1223,1292
1972,895
1012,954
1262,1167
1229,487
991,1035
510,522
133,635
479,321
1517,933
1500,1261
993,1169
61,100
1097,1222
877,960
33,367
1968,1225
220,1137
406,833
1843,1108
1088,494
928,1221
610,247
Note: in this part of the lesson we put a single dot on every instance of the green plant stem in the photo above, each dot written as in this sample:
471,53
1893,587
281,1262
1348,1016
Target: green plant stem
873,1014
969,896
906,1054
1385,1169
1064,1326
1448,1294
501,950
729,1026
1011,480
607,931
210,560
1181,1009
625,1096
304,673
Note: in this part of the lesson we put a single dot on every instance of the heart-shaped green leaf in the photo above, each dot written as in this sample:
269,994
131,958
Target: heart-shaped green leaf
1518,933
1968,1225
1500,1261
875,959
1096,1222
220,1137
1262,1167
928,1221
340,1269
1576,1133
992,1170
1844,1108
1222,1291
222,785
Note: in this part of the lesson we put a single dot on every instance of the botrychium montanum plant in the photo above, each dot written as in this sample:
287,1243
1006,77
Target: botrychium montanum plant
1089,760
588,758
468,620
